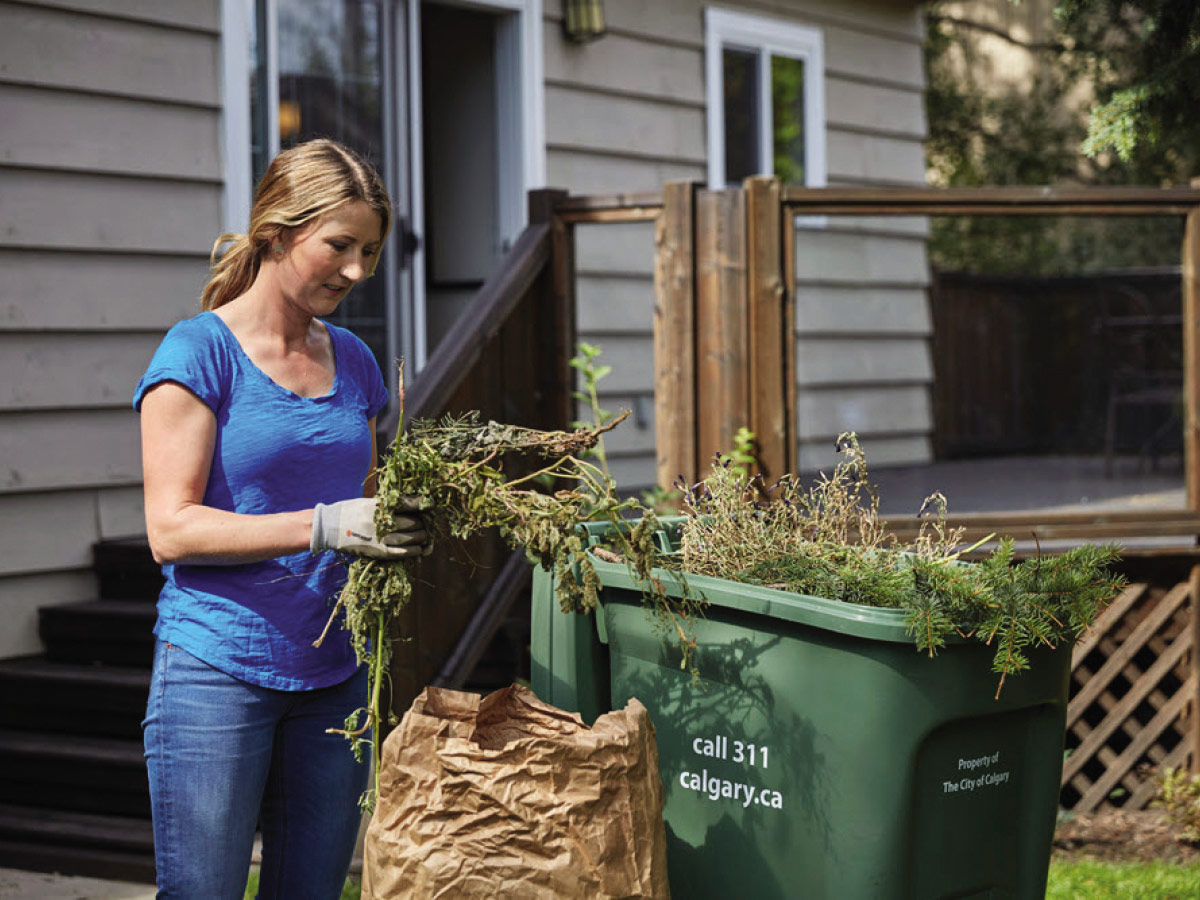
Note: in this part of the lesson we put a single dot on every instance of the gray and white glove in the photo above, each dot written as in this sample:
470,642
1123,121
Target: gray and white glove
348,526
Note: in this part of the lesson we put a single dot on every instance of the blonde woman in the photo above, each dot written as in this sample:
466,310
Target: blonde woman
258,439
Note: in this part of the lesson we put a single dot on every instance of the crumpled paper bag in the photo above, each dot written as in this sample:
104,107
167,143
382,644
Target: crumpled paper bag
511,797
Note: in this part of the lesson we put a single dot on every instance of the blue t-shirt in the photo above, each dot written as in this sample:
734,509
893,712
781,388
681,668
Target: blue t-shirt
275,452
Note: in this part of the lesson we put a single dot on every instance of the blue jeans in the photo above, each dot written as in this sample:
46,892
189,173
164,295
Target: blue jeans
223,755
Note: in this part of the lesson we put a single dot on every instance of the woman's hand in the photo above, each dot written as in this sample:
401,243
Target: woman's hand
349,527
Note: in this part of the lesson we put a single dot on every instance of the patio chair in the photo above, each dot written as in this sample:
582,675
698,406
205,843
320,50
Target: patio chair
1143,344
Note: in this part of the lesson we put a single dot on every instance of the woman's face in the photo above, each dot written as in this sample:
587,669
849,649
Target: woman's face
326,258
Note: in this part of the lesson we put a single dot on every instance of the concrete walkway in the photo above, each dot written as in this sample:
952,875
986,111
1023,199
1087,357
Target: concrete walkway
15,883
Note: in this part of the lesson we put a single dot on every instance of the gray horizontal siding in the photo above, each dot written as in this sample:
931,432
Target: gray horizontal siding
69,131
863,359
630,126
69,290
831,258
68,515
842,311
876,42
60,48
69,448
606,172
71,210
110,179
179,14
851,360
875,412
881,451
42,370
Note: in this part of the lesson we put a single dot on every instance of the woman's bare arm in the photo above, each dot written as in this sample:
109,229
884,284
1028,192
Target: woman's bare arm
178,437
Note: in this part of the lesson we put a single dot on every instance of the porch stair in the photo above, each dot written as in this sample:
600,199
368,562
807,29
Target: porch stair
73,791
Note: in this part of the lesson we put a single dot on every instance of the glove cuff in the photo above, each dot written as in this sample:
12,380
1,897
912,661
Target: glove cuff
320,539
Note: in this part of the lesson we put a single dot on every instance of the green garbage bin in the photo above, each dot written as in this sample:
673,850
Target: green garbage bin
819,754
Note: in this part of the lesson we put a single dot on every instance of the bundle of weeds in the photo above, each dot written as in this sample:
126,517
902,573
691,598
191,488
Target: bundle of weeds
828,541
459,469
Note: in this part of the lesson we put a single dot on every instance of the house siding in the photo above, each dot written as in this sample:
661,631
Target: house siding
627,113
111,182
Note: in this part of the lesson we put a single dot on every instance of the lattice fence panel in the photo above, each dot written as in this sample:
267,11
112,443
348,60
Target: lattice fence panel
1132,691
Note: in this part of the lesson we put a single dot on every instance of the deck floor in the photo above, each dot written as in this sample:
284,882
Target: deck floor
1041,483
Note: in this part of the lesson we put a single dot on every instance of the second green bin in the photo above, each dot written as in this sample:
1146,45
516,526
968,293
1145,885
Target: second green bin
819,755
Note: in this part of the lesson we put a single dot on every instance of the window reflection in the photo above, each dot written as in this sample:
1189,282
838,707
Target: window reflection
741,114
787,102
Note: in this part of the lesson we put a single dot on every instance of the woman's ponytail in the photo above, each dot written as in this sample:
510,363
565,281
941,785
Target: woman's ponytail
232,272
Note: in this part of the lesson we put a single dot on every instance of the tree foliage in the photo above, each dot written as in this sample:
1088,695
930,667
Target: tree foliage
1109,103
1144,58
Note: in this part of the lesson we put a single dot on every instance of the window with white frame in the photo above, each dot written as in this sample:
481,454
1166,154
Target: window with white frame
766,99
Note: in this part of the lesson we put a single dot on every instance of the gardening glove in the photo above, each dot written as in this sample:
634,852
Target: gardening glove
349,527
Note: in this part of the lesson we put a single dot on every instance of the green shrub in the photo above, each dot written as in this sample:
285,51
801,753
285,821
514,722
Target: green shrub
1179,798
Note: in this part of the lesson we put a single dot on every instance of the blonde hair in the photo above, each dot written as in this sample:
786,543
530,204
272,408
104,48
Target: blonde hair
301,184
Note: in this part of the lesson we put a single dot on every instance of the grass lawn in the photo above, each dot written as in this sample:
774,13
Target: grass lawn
350,891
1081,880
1087,879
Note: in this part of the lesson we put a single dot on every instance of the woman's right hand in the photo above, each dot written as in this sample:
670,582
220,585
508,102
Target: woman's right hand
348,526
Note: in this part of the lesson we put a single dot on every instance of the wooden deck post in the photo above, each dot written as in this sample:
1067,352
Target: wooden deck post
722,339
1191,357
675,334
771,338
557,305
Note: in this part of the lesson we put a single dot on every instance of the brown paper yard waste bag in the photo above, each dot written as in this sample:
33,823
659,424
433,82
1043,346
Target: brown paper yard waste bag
511,797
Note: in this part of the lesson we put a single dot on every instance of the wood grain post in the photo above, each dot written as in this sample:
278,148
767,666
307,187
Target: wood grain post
1191,357
771,341
675,334
557,306
722,338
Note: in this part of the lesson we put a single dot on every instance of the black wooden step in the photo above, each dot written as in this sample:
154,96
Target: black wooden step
126,569
75,829
73,697
117,632
86,774
121,865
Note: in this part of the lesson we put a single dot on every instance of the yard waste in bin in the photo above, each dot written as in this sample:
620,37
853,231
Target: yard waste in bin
819,754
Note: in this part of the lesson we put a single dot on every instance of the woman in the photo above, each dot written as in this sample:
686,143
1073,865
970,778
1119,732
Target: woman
258,442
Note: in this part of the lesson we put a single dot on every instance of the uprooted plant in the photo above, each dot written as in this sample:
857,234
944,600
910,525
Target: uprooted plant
459,469
828,540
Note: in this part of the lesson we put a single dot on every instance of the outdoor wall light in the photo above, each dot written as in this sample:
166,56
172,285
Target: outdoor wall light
583,20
